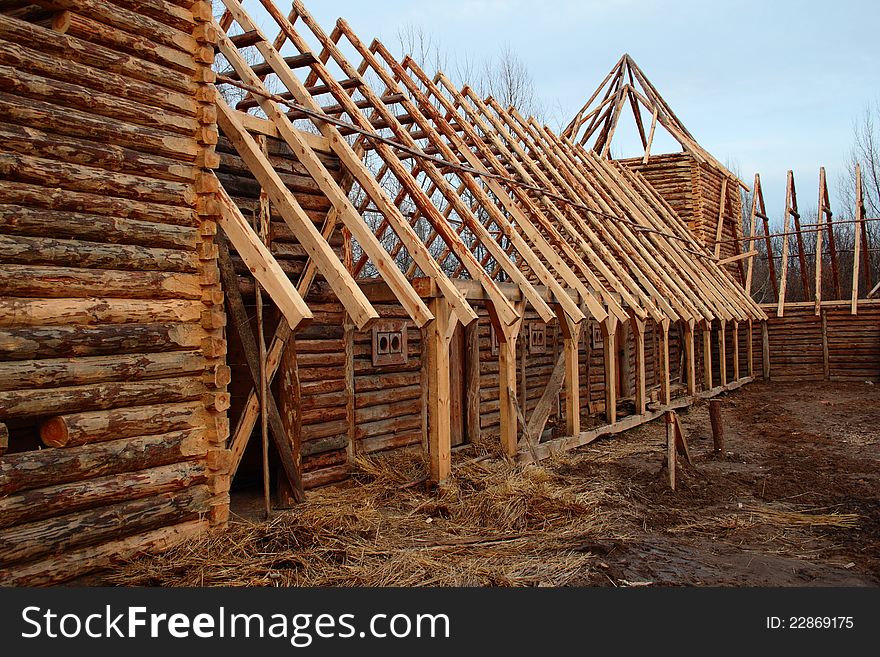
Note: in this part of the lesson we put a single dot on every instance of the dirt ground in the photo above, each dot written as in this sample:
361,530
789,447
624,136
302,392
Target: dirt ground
795,501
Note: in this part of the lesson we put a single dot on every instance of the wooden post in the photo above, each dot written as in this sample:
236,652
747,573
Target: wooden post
639,335
439,336
783,281
857,243
261,220
722,352
670,447
289,407
765,349
665,392
507,386
472,374
820,216
750,352
735,342
707,355
609,356
571,334
717,426
690,357
826,361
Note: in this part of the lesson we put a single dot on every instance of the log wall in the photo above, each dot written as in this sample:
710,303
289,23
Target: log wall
694,192
797,353
112,369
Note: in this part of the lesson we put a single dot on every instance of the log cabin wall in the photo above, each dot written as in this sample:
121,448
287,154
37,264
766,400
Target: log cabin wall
849,351
111,318
693,190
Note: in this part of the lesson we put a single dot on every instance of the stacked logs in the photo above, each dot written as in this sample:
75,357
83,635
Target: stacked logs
111,322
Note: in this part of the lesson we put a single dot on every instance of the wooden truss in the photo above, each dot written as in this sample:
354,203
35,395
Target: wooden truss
824,232
486,204
626,84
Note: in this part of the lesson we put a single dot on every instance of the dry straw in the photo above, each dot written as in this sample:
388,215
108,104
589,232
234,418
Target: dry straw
495,523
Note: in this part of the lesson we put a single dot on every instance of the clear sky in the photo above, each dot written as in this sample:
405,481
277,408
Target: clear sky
767,85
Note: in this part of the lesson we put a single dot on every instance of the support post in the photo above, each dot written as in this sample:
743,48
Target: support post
735,343
665,392
571,334
639,334
609,356
472,374
690,358
722,352
439,335
707,355
507,388
670,447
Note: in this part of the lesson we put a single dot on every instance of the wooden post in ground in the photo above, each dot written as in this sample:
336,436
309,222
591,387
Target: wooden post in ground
765,349
717,426
472,375
690,357
722,352
670,447
665,391
707,355
639,335
609,356
439,335
571,334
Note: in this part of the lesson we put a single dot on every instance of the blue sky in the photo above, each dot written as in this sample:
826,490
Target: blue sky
767,85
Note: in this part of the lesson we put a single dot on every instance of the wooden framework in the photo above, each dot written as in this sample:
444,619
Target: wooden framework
437,208
818,290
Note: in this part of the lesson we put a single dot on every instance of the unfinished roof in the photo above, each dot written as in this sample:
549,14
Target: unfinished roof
596,122
450,186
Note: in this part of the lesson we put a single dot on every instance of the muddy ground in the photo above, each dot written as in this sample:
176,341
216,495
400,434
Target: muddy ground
794,501
812,449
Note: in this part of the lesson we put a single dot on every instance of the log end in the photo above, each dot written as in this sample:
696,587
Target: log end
53,432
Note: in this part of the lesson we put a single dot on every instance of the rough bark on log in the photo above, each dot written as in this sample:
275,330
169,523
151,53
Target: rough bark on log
76,253
88,152
86,41
53,198
4,438
63,567
28,85
33,222
36,504
98,426
29,342
98,396
50,467
37,539
68,282
113,130
38,62
75,177
64,312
